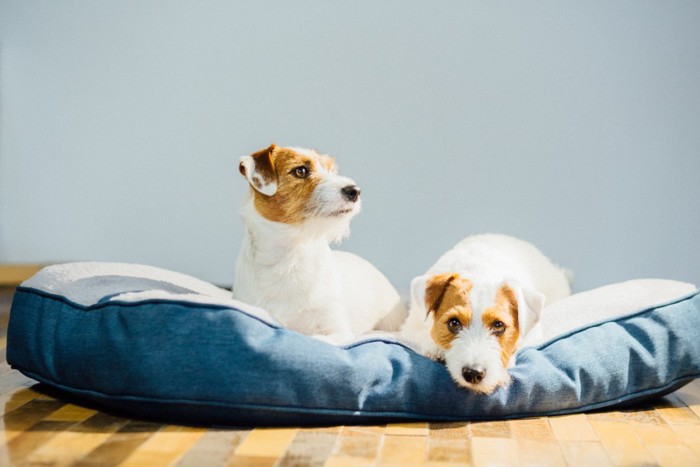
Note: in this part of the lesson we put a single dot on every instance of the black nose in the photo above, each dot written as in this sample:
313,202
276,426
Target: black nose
472,375
351,192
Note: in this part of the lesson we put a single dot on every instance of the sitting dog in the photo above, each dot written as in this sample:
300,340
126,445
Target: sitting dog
297,206
475,305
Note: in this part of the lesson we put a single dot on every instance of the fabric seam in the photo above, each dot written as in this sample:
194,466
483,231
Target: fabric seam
340,411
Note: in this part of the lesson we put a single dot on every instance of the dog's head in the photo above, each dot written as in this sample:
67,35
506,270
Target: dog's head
476,324
300,186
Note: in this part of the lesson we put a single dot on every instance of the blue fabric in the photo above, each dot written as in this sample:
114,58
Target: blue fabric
214,364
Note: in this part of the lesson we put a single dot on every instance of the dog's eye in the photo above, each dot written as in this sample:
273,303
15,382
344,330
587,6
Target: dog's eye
454,325
498,327
300,172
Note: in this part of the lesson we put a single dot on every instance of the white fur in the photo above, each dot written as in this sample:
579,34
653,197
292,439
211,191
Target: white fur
291,271
489,261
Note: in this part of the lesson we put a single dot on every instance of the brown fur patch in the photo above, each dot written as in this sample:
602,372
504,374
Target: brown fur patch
264,164
435,288
447,295
290,203
505,310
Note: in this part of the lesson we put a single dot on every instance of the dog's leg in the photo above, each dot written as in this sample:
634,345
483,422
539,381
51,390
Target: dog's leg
338,325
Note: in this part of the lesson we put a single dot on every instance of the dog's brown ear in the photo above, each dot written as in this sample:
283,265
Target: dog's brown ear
428,292
435,288
259,170
507,295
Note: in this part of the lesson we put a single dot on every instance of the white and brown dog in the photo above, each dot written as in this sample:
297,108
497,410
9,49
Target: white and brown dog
473,307
297,206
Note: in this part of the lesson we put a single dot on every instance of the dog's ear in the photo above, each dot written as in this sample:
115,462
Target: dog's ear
418,292
525,303
428,291
259,170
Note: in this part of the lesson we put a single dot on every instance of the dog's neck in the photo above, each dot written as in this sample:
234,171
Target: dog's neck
279,259
272,243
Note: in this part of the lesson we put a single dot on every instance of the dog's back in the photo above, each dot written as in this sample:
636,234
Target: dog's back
368,294
497,256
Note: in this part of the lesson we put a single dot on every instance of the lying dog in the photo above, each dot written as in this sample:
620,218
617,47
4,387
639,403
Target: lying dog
297,206
475,305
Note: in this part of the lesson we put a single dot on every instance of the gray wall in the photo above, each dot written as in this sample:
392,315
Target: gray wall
573,125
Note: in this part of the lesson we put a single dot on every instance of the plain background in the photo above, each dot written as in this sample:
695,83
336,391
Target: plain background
575,126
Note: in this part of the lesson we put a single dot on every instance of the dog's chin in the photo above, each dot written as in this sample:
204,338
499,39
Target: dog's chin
496,375
331,222
485,387
345,210
340,213
478,388
332,228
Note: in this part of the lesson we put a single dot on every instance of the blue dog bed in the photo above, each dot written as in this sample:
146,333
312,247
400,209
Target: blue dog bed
150,342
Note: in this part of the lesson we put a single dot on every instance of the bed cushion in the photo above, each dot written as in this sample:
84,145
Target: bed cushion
153,343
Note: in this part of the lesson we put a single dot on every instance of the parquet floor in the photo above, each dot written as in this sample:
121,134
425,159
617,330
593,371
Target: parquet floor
39,429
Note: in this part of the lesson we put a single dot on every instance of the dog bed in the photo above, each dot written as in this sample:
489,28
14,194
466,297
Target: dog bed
153,343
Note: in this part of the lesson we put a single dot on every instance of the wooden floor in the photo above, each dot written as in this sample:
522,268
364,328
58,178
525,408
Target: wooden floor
38,429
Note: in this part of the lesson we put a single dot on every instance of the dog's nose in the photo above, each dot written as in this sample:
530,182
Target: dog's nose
351,192
472,375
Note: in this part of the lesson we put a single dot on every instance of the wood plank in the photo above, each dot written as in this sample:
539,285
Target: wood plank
309,448
572,428
675,412
690,396
255,461
661,440
403,450
449,443
621,443
67,447
537,444
164,447
26,442
359,442
70,413
492,451
497,429
532,452
335,461
533,429
678,454
216,447
444,451
263,446
690,435
11,275
406,429
585,453
16,398
652,433
120,445
27,415
450,431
